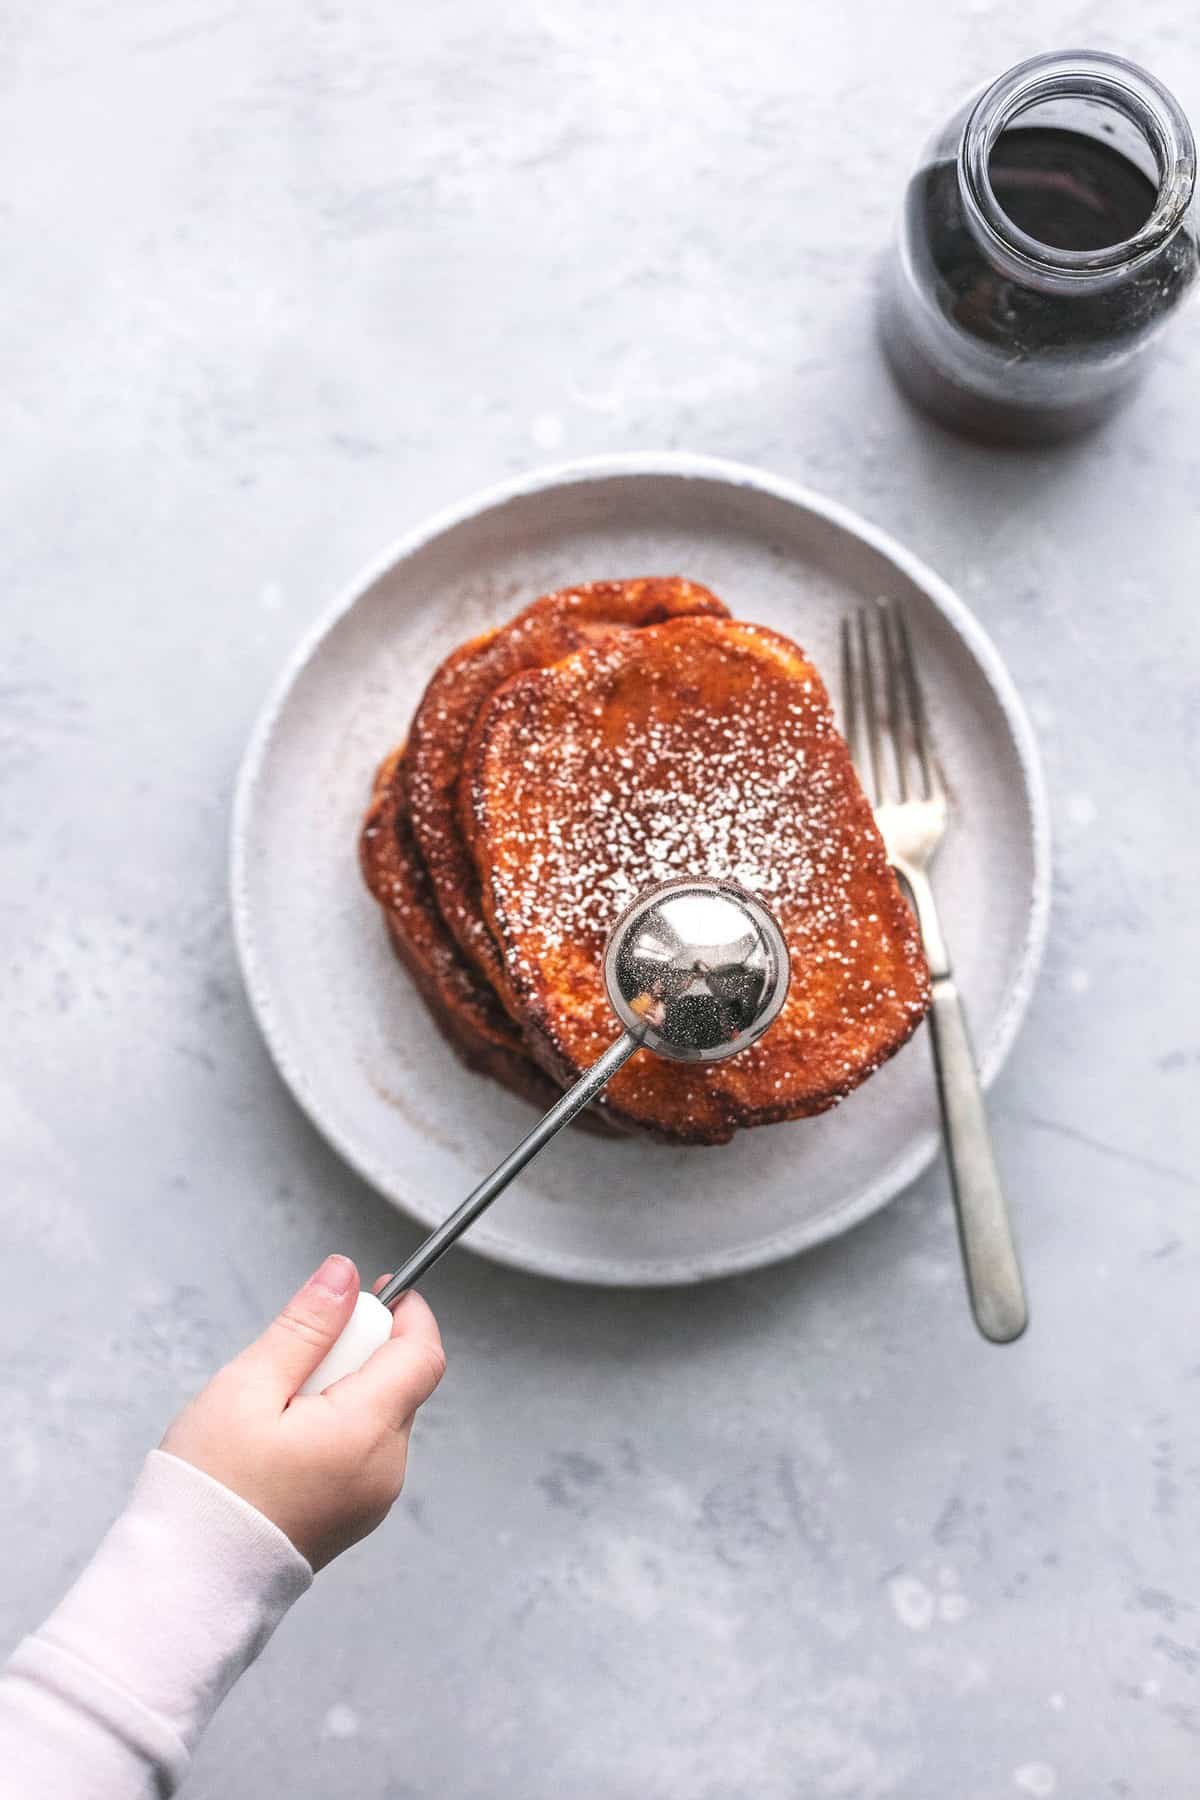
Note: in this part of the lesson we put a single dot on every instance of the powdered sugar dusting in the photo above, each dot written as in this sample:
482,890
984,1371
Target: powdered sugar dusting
546,631
703,750
723,793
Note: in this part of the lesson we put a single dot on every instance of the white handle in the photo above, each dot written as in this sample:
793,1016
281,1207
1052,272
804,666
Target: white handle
369,1325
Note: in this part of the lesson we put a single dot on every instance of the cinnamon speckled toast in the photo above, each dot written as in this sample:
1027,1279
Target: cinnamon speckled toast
702,746
551,628
462,1005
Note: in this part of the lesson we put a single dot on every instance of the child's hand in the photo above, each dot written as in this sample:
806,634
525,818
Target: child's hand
326,1467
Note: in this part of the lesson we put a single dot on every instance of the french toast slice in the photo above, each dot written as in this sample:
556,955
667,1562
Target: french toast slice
547,630
703,746
462,1006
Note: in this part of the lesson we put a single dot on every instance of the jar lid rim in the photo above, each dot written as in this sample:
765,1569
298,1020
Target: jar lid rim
1090,74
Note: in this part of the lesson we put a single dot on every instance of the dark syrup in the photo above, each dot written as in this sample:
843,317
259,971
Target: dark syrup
1063,189
1069,191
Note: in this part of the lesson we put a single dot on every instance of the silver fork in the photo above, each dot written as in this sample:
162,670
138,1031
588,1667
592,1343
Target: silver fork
888,733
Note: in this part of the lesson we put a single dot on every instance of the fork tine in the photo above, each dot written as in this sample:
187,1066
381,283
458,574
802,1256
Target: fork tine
870,708
852,704
930,772
899,727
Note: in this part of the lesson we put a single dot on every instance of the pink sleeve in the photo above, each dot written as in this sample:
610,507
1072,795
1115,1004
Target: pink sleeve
107,1700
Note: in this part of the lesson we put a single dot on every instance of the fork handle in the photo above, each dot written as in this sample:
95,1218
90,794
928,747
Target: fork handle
989,1253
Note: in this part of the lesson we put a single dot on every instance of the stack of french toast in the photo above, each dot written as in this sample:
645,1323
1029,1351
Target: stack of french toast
611,736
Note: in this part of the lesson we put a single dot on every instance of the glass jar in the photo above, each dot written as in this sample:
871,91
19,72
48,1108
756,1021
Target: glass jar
1048,235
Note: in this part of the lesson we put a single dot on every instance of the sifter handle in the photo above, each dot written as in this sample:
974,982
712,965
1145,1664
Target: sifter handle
369,1325
493,1185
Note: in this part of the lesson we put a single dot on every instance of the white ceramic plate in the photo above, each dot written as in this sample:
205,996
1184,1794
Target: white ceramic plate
350,1036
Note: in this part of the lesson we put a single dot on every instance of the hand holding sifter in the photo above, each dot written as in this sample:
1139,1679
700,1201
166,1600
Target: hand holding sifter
695,971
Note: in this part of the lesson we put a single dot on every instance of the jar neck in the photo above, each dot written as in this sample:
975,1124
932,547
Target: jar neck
1106,82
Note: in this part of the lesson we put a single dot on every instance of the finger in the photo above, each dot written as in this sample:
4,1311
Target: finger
306,1330
412,1316
403,1315
402,1374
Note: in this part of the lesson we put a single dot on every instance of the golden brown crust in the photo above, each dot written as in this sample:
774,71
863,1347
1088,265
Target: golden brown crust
549,629
699,746
462,1006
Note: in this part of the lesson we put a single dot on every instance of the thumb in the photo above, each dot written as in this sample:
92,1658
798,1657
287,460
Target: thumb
293,1344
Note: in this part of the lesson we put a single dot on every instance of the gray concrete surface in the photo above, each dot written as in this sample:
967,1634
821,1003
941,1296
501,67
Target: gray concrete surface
278,280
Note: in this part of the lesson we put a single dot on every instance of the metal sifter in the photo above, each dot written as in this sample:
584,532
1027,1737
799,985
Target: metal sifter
695,971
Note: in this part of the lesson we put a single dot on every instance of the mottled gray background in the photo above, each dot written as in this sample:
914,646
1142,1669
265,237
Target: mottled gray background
277,280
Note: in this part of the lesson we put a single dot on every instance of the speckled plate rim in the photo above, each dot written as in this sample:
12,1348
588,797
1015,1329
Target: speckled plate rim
682,465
